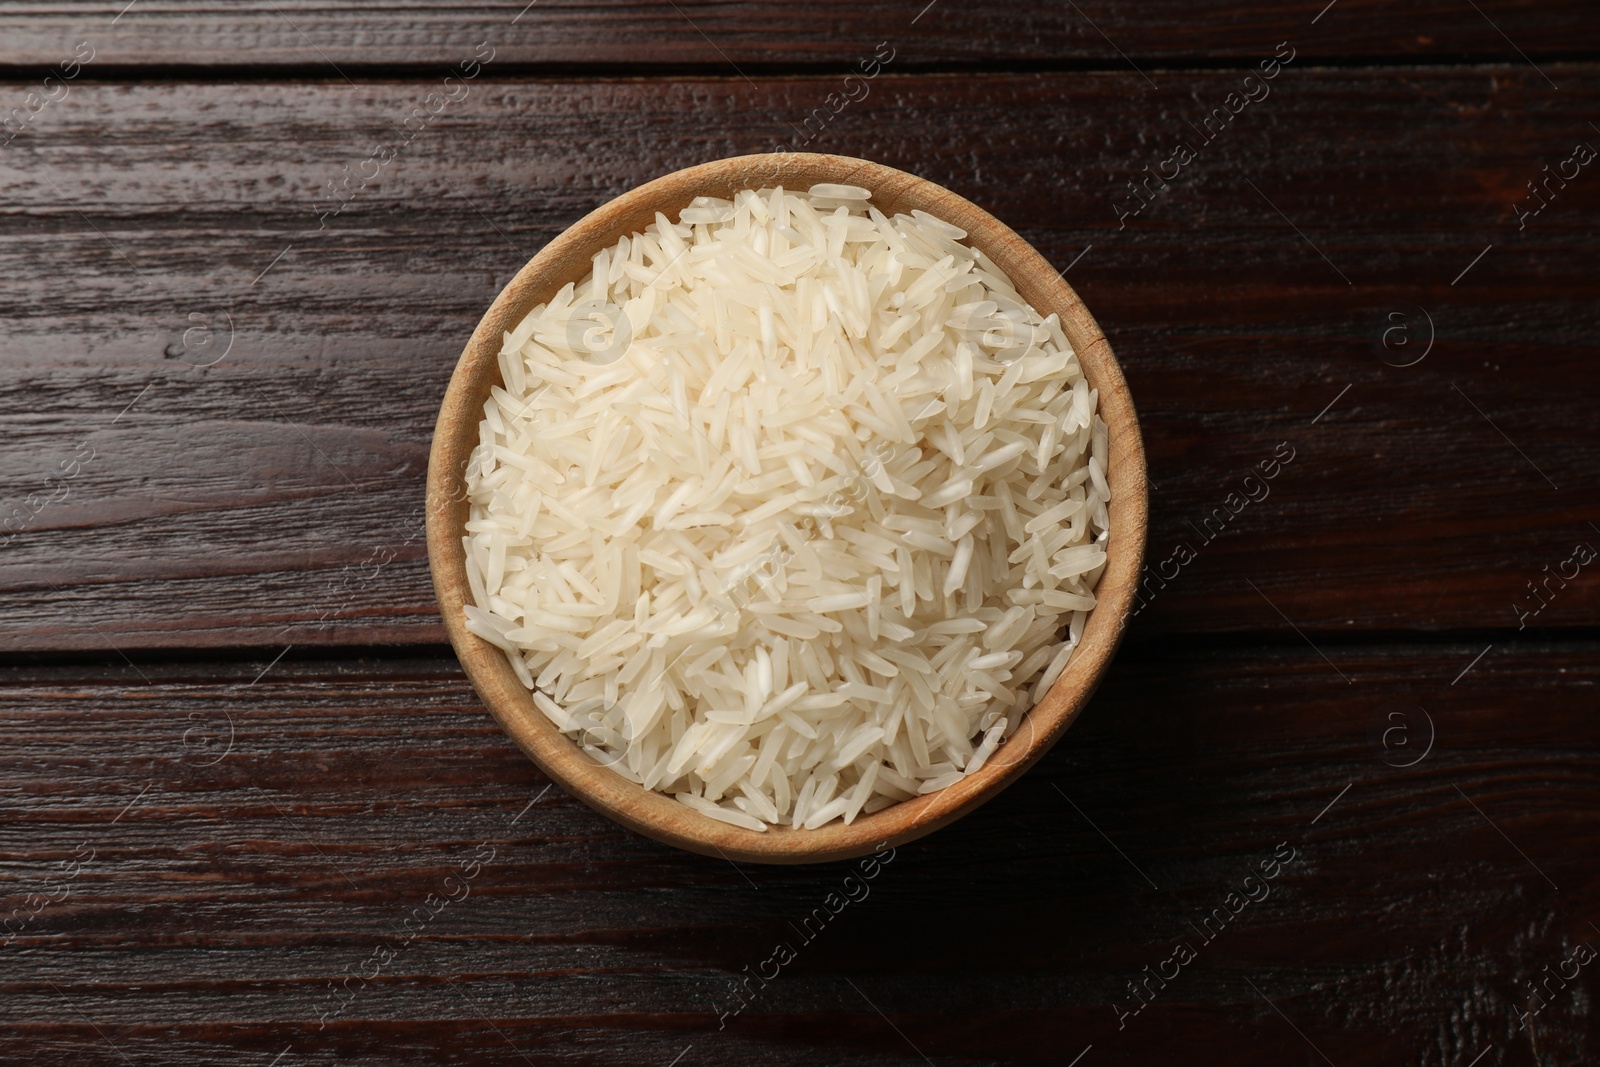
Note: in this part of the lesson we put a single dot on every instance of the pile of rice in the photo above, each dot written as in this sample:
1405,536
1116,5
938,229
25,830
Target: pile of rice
790,510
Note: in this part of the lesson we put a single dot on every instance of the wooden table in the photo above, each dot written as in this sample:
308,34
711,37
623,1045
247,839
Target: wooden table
1337,801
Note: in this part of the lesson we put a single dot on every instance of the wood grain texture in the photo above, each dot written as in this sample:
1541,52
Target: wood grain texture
274,497
752,36
245,842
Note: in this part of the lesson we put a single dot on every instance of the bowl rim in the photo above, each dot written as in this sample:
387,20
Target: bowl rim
657,815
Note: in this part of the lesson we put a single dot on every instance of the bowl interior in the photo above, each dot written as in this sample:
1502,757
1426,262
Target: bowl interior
568,259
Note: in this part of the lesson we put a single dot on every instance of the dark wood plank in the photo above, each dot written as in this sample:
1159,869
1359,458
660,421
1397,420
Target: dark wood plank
272,498
244,843
754,36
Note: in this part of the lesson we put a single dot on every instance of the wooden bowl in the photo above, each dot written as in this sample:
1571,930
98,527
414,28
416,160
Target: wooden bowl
568,259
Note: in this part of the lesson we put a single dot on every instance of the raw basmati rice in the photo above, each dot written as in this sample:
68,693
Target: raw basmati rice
789,509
